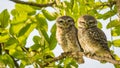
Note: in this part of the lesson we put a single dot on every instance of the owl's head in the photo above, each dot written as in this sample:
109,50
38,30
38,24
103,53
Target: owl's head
87,21
64,22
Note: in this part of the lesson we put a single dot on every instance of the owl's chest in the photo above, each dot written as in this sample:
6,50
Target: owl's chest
83,34
67,39
87,43
64,36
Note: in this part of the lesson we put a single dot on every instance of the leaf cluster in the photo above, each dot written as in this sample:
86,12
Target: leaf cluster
17,25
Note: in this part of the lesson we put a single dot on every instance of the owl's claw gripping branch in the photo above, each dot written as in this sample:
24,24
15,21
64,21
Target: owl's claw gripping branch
104,59
34,4
62,56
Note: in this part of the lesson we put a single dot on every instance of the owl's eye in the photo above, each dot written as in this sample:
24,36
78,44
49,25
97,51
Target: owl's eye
69,20
91,22
82,22
61,21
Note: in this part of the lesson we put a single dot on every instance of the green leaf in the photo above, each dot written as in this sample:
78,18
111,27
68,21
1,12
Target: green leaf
109,14
15,28
116,31
26,8
116,42
4,18
41,21
8,60
73,64
99,25
35,47
117,65
17,53
70,63
4,37
113,23
42,27
109,44
58,3
68,5
92,12
53,41
27,29
82,7
116,57
36,39
22,31
76,8
39,40
43,1
71,3
49,16
11,43
19,16
97,6
24,63
44,35
99,16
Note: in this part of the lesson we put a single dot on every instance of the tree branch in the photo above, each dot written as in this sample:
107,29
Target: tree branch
70,54
62,56
104,59
109,4
33,4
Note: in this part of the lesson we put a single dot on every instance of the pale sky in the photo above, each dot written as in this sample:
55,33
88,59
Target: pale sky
89,63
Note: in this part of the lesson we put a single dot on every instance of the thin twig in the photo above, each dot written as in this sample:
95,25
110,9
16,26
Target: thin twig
106,4
15,61
33,4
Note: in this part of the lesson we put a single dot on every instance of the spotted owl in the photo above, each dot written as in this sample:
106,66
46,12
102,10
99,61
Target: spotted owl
91,38
66,35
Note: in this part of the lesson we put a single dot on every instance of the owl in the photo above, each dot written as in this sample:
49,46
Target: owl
91,38
66,35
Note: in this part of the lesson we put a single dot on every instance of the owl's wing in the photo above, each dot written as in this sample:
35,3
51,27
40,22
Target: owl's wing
99,37
78,40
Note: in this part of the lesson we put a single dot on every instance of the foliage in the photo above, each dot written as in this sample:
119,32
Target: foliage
25,19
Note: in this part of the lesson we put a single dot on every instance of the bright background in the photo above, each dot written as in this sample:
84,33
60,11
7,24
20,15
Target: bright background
89,63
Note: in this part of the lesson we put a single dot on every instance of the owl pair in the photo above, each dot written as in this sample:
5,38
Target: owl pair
87,38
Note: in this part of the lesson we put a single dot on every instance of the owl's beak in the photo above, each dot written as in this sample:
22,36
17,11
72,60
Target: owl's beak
66,25
86,26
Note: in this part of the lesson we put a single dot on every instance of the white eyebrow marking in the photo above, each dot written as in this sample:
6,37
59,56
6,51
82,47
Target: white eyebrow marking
91,20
